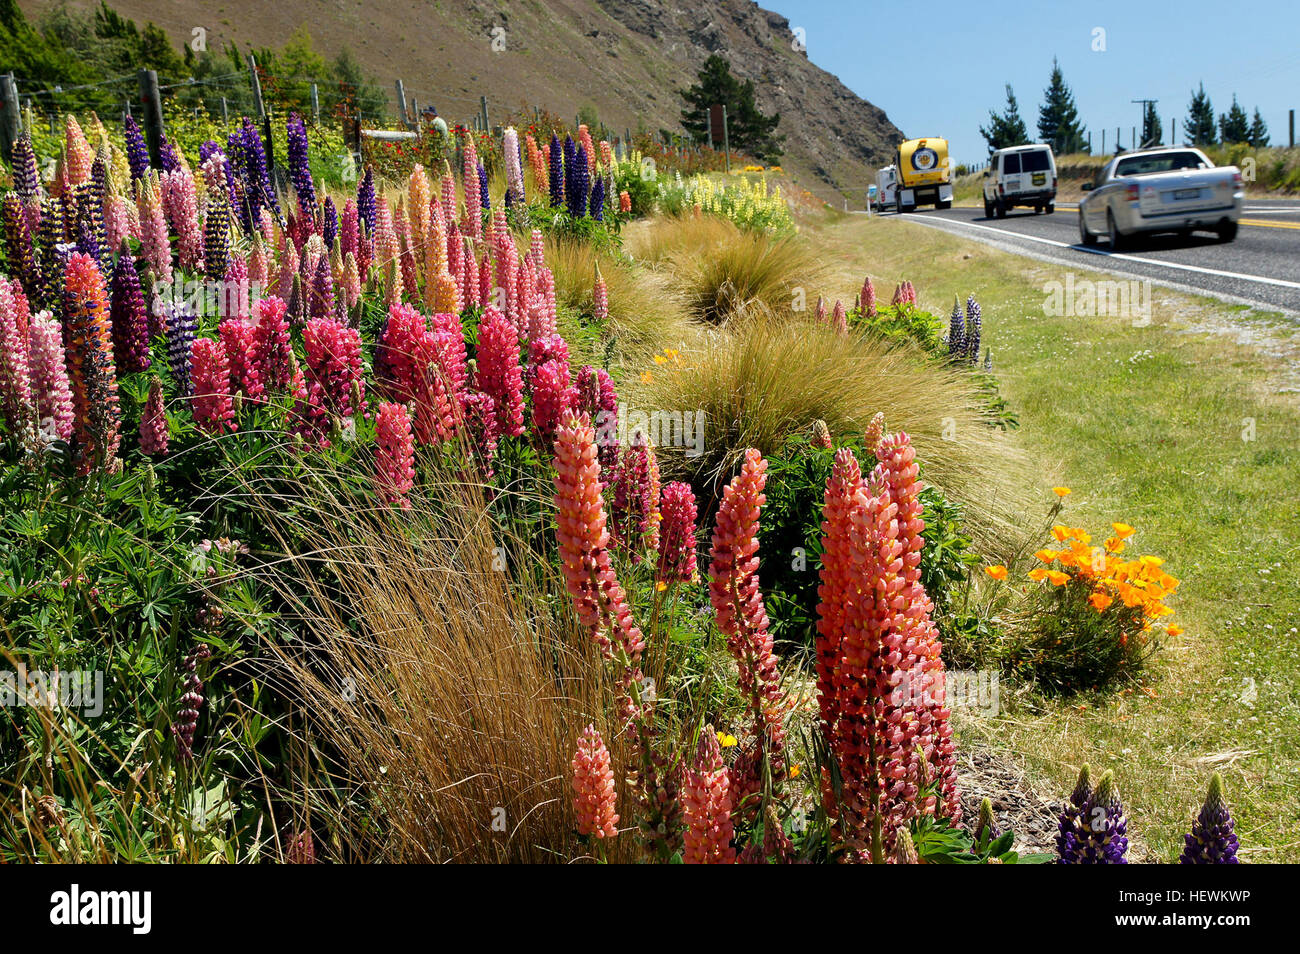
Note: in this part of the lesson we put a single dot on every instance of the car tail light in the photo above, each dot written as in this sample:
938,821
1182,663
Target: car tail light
1002,189
1053,182
1132,192
1236,178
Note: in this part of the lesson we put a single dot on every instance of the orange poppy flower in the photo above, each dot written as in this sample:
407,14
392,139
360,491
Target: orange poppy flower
1058,578
1100,601
1038,575
1123,530
1061,491
997,571
1046,555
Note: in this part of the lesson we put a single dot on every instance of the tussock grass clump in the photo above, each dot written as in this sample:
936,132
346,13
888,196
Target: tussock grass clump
760,381
720,271
444,690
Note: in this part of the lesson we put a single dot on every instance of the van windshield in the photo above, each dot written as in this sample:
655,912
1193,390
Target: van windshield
1034,161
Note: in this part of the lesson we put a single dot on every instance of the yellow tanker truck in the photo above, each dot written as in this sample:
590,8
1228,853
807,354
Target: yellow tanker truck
924,177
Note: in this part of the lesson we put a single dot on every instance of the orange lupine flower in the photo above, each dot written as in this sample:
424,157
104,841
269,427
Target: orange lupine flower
998,572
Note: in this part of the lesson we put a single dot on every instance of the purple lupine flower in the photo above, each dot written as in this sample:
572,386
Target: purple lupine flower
206,149
556,164
137,153
1066,838
245,200
89,232
258,180
128,316
167,157
181,329
1100,831
598,399
27,182
972,330
187,718
53,251
577,184
18,244
322,291
1212,840
331,228
299,168
366,206
484,200
956,332
598,199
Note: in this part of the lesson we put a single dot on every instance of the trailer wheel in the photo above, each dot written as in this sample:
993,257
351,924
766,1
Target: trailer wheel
943,204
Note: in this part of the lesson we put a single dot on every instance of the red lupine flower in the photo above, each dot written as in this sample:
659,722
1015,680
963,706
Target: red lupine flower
272,351
214,408
584,544
498,372
394,454
706,806
334,363
593,786
91,371
631,502
742,618
446,327
237,336
49,376
153,421
838,319
869,298
677,534
553,394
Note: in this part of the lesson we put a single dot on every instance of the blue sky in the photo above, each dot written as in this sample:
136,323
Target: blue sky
937,68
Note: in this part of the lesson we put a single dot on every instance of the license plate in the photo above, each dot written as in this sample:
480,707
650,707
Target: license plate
1040,178
1187,193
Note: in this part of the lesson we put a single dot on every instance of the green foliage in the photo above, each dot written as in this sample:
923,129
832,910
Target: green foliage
1058,117
1198,128
748,129
1007,129
903,323
1233,125
939,843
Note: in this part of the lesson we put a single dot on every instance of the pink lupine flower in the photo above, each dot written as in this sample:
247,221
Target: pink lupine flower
394,454
468,272
436,410
214,408
289,265
537,248
334,363
49,377
153,421
351,281
395,354
593,786
821,310
154,240
553,394
584,547
598,400
272,351
742,618
79,156
631,498
677,534
118,220
181,206
706,806
16,400
447,189
868,298
450,335
238,338
600,299
259,268
485,281
499,374
838,319
821,435
473,224
350,228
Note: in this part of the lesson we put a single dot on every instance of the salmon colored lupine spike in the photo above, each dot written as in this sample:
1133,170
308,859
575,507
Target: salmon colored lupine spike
593,786
91,372
706,806
394,454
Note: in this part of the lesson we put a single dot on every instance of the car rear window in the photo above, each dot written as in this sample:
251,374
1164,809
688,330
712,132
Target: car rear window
1034,161
1165,162
1011,162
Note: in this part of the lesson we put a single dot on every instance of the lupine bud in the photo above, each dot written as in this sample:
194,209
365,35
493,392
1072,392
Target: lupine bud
600,299
593,786
153,421
394,454
838,319
986,830
706,806
821,435
905,849
1101,828
1067,843
1212,840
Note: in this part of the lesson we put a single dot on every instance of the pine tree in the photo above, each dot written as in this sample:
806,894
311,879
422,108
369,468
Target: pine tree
748,129
1058,118
1258,131
1233,125
1152,127
1007,129
1199,127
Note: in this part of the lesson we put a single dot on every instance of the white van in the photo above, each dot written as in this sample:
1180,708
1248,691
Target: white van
886,187
1020,175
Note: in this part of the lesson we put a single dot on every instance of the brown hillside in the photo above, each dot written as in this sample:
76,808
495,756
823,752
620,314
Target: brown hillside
626,57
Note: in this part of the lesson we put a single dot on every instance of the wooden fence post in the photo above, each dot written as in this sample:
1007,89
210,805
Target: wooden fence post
153,121
10,117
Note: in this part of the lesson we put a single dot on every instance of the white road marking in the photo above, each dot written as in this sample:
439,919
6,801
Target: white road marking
1198,269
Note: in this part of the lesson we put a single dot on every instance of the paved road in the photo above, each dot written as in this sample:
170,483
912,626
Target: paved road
1260,268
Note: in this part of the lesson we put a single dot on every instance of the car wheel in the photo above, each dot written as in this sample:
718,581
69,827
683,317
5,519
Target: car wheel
988,209
1038,210
1051,207
1086,237
1227,231
1116,237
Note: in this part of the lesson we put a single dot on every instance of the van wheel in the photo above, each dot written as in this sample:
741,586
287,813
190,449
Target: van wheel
1227,231
1001,210
988,209
1051,207
1117,240
1086,237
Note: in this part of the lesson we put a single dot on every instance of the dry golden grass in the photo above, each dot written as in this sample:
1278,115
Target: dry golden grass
445,693
762,380
720,271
